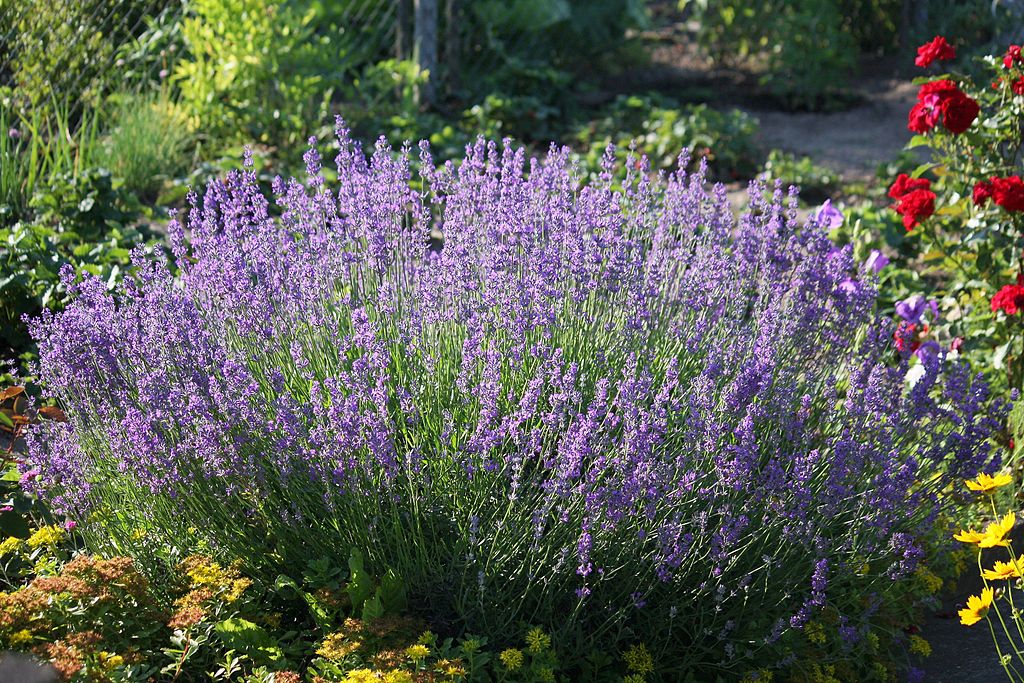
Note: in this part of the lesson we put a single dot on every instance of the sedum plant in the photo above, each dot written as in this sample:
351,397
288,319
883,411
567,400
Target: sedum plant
609,409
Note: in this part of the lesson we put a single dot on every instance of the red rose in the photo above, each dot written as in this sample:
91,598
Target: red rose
1009,299
937,49
922,118
958,112
940,88
982,192
904,184
915,206
1009,193
1012,55
1018,86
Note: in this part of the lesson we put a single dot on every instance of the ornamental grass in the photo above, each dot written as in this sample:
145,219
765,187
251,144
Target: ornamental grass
607,407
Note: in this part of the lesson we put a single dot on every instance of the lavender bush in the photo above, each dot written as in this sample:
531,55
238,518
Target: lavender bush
613,410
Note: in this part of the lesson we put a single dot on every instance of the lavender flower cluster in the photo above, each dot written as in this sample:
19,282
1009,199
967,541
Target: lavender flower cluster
609,407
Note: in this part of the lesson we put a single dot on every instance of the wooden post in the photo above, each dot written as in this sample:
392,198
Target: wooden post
425,47
453,26
403,29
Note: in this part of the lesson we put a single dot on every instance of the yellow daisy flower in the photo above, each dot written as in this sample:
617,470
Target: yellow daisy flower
995,533
977,608
969,536
984,483
1000,571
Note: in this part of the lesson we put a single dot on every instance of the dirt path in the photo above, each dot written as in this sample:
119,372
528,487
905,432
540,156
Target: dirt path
852,142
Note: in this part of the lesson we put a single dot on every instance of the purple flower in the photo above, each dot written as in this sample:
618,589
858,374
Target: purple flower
911,308
593,383
928,349
14,134
829,216
876,261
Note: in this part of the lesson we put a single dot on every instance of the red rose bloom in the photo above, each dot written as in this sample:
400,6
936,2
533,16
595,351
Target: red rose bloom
922,118
1009,193
940,88
1018,86
905,184
1010,299
915,206
958,112
937,50
1012,55
982,192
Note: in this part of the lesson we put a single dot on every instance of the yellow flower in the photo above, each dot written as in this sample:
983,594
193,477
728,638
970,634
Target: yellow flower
46,535
931,582
398,677
512,659
1001,570
986,484
634,678
336,647
450,667
920,646
995,533
976,608
546,675
111,660
537,641
236,588
417,652
20,637
638,659
815,632
9,546
361,676
969,536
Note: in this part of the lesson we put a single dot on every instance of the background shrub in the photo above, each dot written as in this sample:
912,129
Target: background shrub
149,141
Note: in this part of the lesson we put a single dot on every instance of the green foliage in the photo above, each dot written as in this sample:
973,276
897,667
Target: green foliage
65,50
660,129
533,46
255,70
816,182
36,147
804,46
146,60
248,638
148,142
82,220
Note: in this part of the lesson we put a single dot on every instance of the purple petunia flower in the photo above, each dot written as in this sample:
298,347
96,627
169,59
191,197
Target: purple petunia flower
829,216
911,308
876,261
